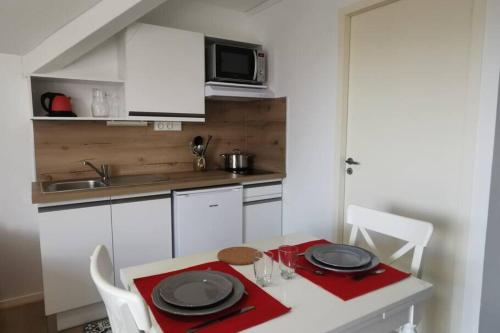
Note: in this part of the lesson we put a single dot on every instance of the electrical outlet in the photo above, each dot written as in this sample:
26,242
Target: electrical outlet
168,126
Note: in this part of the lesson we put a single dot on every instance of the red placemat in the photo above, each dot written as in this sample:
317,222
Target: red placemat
266,307
342,285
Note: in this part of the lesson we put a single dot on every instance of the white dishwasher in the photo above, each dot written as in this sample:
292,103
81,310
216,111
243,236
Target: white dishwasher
207,219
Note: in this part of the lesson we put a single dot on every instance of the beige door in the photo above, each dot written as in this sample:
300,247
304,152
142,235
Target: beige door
407,96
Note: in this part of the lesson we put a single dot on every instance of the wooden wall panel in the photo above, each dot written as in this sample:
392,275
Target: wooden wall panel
258,127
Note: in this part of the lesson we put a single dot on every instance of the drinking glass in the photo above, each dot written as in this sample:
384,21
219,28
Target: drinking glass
288,255
100,106
263,268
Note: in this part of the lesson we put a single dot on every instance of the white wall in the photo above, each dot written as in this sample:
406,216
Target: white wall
19,246
301,38
202,17
100,63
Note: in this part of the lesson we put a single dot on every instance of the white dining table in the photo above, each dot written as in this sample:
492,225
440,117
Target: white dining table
313,309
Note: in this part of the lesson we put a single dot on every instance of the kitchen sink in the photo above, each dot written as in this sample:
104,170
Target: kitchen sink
88,184
74,185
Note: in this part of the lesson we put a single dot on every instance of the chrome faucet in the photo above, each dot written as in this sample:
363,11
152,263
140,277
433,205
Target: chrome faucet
104,173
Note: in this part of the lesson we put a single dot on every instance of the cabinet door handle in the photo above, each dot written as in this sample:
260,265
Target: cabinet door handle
215,205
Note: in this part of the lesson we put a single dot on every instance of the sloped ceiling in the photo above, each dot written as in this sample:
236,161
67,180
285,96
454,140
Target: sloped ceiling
238,5
26,23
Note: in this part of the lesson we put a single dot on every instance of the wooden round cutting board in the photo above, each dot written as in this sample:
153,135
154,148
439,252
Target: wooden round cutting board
238,255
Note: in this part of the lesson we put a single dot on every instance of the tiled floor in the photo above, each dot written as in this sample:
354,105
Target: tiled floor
29,318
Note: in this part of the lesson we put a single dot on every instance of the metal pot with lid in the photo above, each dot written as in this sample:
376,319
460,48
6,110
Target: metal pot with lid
236,160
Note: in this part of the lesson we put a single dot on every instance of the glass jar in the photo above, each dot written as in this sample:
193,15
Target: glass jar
100,106
114,104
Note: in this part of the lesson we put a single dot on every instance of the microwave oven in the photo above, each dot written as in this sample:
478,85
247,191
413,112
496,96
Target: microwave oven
236,63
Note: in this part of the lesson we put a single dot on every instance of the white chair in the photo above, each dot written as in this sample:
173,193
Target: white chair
416,233
127,311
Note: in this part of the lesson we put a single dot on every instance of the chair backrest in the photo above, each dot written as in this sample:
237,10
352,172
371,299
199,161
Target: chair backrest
416,233
127,311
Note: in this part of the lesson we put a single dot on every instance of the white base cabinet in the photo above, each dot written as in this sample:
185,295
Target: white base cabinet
135,231
262,219
262,211
68,235
142,231
207,219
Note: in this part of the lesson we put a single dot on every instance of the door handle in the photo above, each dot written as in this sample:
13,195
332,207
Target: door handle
255,65
350,161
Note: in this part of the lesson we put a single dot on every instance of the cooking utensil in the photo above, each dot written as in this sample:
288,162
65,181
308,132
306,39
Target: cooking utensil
197,145
236,160
206,146
220,318
198,140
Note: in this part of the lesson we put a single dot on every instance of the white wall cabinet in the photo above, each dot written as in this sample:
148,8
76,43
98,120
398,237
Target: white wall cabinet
142,231
164,72
68,235
262,211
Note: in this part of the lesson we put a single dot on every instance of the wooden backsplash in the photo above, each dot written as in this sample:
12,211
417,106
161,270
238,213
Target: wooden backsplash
257,127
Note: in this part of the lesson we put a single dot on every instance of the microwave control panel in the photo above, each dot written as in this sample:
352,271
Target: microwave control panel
261,66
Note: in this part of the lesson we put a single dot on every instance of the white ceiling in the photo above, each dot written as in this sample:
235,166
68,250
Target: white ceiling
239,5
26,23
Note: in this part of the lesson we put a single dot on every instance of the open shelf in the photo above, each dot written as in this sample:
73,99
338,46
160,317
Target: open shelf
80,92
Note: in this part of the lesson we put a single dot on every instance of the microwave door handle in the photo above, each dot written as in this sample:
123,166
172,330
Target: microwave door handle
255,65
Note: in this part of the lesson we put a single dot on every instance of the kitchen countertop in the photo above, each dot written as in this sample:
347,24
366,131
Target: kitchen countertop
177,181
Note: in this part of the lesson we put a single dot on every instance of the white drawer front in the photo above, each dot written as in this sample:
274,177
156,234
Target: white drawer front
254,193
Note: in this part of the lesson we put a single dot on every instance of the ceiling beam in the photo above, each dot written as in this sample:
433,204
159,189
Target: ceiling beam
84,33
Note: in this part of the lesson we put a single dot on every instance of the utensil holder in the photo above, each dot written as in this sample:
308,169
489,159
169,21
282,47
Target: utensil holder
199,163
